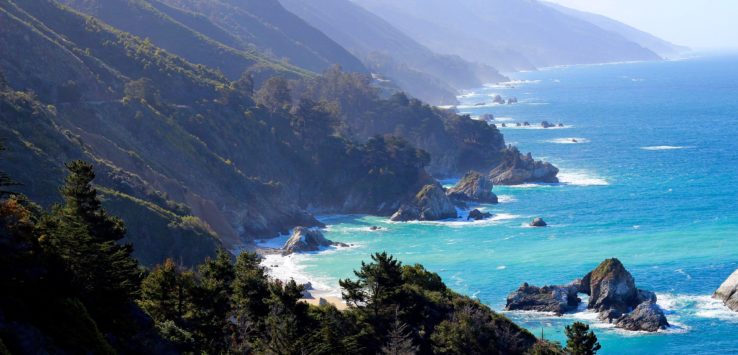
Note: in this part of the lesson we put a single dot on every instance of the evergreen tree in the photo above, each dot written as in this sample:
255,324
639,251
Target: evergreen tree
213,301
167,297
250,290
379,283
580,340
84,238
399,340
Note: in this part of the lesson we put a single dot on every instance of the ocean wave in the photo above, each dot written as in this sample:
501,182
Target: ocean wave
703,306
460,222
568,140
534,126
292,267
666,147
511,83
580,178
506,198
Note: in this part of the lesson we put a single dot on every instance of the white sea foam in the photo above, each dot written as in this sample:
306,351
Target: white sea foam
666,147
460,222
501,267
703,306
534,125
511,83
503,119
568,140
506,198
580,178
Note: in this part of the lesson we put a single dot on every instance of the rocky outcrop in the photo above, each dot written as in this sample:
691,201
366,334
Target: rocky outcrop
516,169
611,287
512,100
546,124
556,299
538,222
612,293
307,239
728,292
478,215
498,99
430,204
646,317
473,187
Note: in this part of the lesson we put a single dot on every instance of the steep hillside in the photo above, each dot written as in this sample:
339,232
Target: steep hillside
480,30
388,51
177,139
646,40
143,19
266,26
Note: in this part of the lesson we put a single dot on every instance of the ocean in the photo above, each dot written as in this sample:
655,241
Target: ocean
652,179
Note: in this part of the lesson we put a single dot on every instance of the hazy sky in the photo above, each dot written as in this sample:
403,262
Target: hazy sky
695,23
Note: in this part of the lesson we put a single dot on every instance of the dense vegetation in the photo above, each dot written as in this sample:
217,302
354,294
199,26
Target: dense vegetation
71,287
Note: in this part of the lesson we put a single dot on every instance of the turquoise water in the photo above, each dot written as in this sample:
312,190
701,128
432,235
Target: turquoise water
652,181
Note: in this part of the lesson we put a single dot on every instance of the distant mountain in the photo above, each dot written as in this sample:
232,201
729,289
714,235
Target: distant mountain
507,34
661,47
266,26
390,52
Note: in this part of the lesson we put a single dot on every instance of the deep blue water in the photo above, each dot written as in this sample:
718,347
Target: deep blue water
653,181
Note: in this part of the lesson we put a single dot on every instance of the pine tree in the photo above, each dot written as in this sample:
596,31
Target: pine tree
399,340
166,293
250,291
84,238
580,340
378,285
213,300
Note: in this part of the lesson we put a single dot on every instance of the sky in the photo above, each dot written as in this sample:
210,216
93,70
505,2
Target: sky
700,24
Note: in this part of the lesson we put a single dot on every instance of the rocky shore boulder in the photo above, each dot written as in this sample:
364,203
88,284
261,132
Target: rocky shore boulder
556,299
546,124
728,292
648,317
538,222
473,187
612,293
306,239
478,215
516,169
430,204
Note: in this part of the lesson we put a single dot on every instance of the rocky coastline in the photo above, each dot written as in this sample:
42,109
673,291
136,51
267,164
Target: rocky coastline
612,294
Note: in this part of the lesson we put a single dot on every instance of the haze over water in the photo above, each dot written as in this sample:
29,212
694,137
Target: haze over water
651,180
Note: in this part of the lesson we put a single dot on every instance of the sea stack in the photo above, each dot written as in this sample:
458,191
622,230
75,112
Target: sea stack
429,204
516,169
305,240
612,293
473,187
728,292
